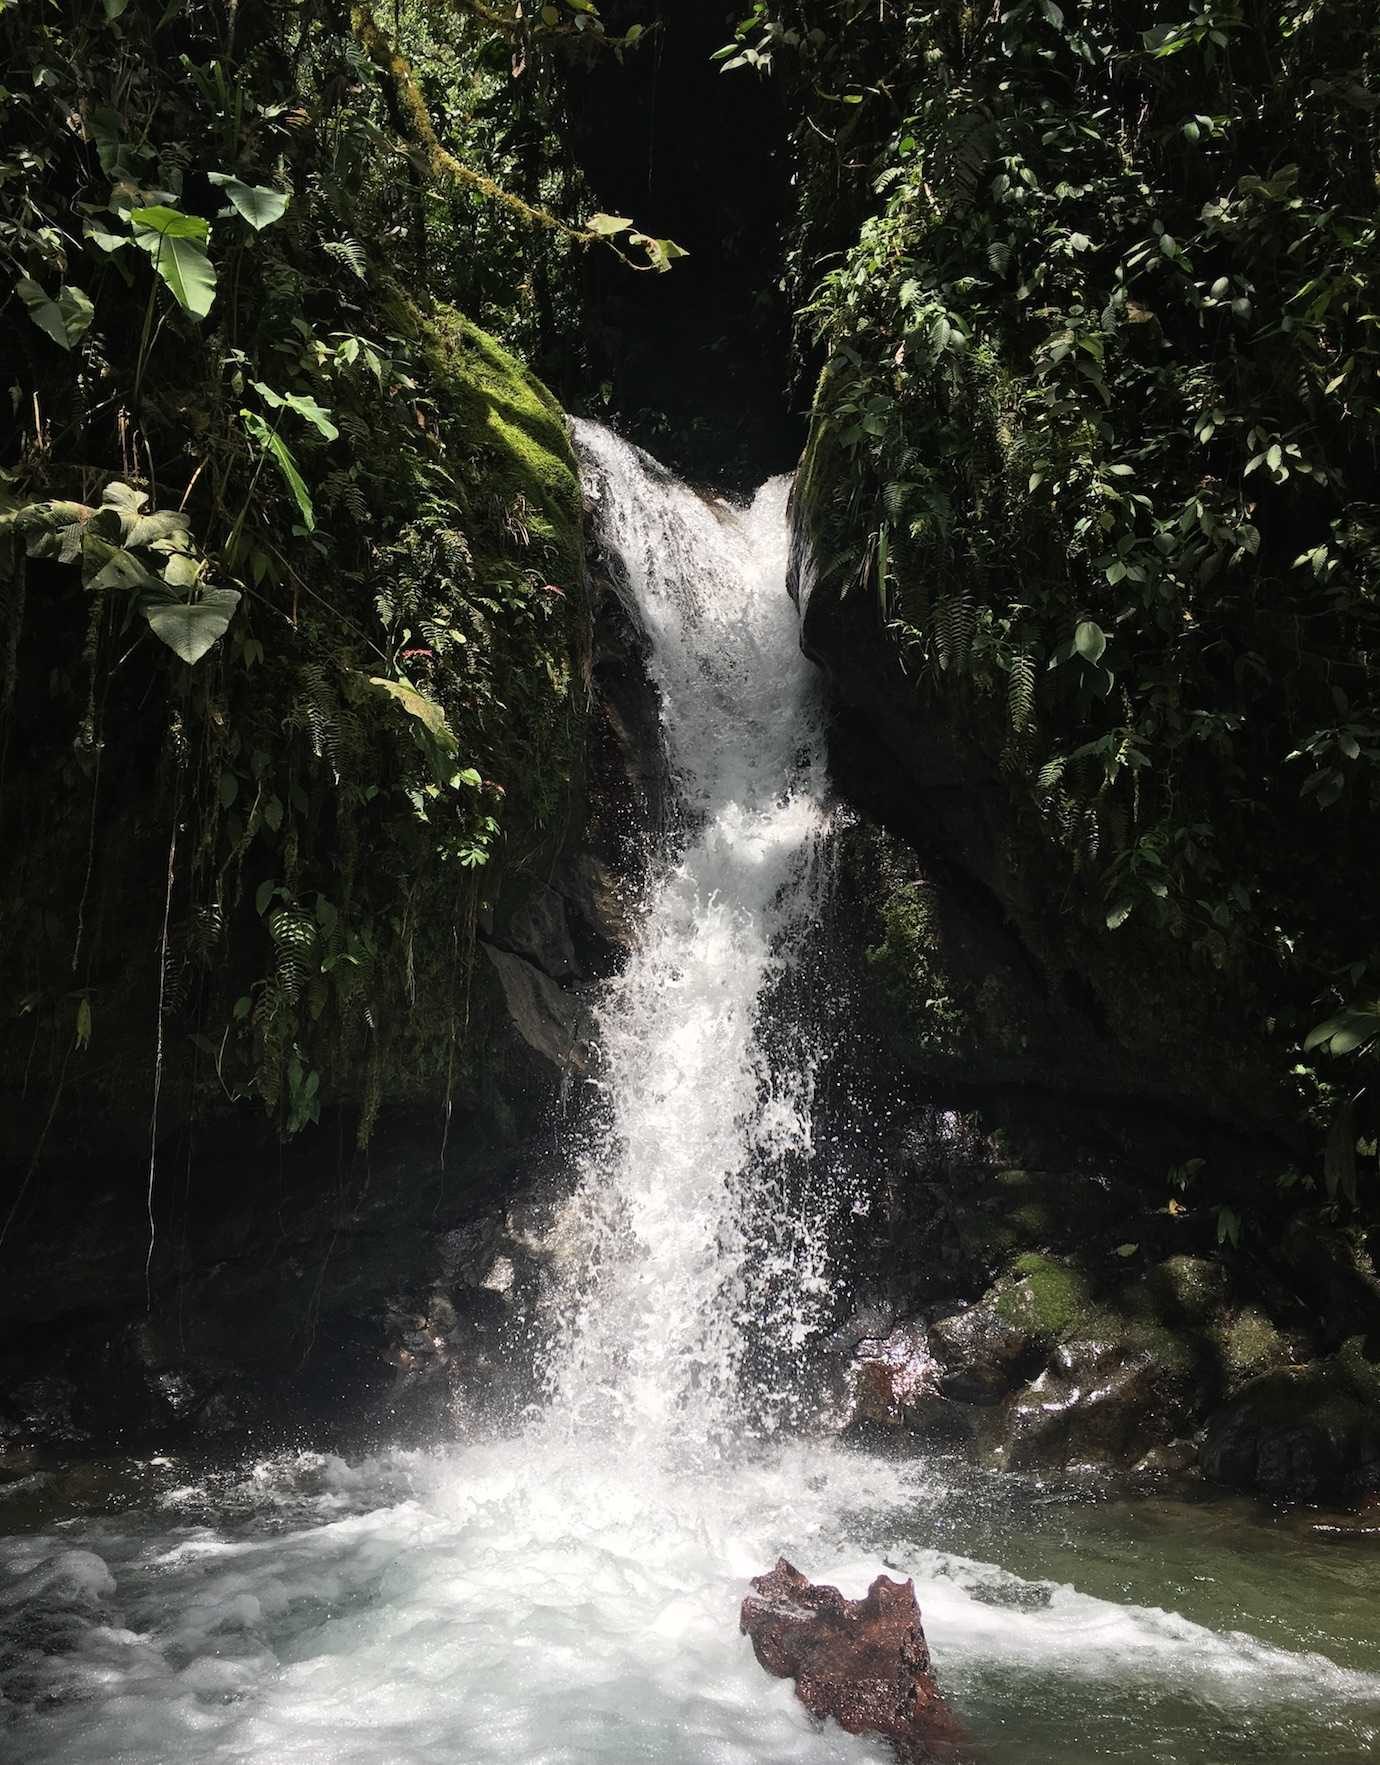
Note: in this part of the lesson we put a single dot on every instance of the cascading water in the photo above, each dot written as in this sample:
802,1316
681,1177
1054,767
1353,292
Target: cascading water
569,1594
698,1118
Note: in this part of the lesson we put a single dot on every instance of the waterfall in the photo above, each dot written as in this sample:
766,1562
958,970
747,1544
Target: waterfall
701,1128
569,1595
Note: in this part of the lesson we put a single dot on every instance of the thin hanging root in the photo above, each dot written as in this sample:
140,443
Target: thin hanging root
158,1059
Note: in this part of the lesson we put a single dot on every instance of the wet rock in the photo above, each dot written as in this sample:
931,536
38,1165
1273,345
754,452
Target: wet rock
547,1017
1302,1434
1173,1459
891,1373
538,932
1011,1595
38,1412
1100,1401
983,1352
863,1662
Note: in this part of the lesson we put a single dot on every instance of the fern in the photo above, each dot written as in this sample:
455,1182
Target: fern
952,625
350,253
1020,693
1050,773
340,492
294,946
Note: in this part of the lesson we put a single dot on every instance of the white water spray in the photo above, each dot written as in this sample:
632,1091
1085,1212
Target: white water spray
699,1119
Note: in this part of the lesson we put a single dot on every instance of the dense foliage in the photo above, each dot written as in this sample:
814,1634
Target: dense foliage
293,608
1097,441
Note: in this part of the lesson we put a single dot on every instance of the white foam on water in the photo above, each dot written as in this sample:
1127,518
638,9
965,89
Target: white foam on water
545,1601
569,1595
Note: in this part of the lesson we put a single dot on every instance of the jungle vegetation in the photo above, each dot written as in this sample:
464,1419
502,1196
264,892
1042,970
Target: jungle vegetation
294,613
1096,286
1085,299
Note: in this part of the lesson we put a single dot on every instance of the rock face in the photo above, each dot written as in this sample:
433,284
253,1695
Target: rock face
863,1662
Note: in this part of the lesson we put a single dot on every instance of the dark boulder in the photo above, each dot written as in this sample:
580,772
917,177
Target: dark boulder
1301,1434
862,1662
1102,1400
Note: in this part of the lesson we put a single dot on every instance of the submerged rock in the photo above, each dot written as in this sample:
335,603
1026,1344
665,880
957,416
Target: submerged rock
862,1662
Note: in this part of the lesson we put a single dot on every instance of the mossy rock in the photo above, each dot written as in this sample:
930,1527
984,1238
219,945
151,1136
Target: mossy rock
910,965
504,407
1182,1290
1248,1345
1048,1297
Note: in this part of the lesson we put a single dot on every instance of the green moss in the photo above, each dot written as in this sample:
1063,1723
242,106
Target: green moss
1034,1222
504,408
837,539
1362,1367
1183,1291
1249,1344
1049,1299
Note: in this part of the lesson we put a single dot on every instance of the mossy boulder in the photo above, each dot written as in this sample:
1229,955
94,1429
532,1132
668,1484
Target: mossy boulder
1298,1434
1047,1298
525,434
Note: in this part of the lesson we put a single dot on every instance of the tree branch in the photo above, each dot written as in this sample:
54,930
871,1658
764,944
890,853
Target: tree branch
416,119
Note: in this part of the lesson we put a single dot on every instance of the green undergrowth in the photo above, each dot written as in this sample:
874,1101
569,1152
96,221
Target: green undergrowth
294,610
1092,458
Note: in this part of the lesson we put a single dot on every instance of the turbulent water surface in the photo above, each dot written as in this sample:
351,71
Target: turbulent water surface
570,1593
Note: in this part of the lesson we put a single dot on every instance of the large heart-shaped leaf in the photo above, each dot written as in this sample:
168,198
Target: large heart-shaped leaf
258,205
110,566
66,320
191,628
177,244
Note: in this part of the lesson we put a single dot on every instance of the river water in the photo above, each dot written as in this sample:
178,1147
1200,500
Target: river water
569,1592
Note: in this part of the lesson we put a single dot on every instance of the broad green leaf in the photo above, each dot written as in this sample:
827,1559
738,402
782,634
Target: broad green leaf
102,238
256,203
1348,1031
181,573
606,225
119,569
177,244
171,223
66,320
167,528
302,403
191,628
273,444
427,712
1089,640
